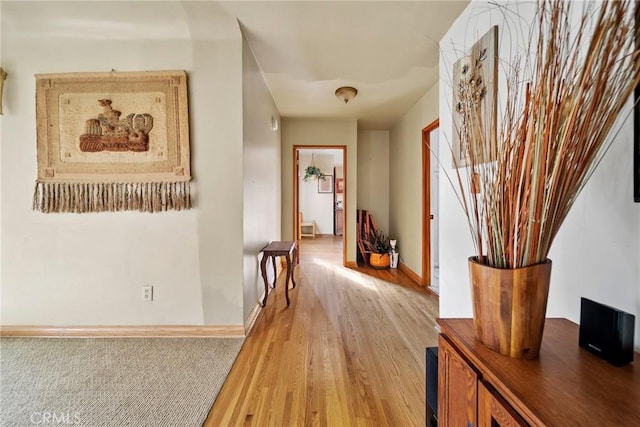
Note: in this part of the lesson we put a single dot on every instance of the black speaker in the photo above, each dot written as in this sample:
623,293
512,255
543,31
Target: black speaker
606,332
432,386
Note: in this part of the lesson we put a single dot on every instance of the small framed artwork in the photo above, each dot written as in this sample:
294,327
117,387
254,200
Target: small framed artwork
339,185
475,78
325,185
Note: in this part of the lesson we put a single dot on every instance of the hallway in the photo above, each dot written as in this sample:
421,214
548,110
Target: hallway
348,351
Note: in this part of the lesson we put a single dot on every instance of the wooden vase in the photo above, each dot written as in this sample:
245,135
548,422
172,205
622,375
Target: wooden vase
509,307
379,261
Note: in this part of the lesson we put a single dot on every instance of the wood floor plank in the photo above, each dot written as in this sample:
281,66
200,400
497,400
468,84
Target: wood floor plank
348,351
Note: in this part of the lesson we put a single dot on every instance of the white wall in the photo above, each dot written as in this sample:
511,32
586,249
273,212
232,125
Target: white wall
261,169
597,251
373,175
217,157
405,171
321,132
69,269
314,205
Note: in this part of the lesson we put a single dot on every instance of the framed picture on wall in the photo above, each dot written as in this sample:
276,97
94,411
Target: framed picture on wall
475,78
325,185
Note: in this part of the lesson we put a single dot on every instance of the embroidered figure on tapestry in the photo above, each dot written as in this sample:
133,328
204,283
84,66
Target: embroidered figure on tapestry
110,133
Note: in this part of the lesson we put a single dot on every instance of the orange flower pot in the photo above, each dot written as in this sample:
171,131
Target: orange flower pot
380,261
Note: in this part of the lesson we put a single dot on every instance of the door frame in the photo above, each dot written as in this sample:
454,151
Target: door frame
296,195
426,202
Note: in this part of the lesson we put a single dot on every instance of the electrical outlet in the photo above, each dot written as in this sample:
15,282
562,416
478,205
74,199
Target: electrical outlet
147,293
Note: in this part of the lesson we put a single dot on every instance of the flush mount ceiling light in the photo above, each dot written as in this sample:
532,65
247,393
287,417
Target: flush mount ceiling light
346,93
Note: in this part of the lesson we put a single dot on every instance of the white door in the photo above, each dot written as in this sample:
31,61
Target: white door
435,176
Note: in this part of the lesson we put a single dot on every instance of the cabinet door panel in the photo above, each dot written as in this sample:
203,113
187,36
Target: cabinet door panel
493,411
457,389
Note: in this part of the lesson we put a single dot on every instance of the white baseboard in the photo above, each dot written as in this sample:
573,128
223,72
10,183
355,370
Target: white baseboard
122,331
253,316
255,311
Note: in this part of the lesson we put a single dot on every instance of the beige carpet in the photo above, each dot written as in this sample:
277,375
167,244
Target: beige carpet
112,381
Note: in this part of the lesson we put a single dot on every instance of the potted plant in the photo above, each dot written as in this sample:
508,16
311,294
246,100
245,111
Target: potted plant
313,172
378,244
522,178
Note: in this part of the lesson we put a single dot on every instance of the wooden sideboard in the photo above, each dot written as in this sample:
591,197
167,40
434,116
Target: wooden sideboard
565,386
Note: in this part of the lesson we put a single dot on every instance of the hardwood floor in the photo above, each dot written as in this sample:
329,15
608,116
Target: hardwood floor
349,351
328,249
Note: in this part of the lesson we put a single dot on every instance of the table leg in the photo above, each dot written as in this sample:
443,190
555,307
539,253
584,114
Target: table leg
263,268
293,266
275,272
286,282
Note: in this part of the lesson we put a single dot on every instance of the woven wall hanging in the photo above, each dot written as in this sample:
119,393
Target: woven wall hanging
112,141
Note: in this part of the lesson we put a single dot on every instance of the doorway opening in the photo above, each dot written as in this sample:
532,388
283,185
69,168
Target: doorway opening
430,208
320,204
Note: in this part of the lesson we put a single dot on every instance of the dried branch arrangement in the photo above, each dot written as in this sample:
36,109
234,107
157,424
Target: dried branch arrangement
553,130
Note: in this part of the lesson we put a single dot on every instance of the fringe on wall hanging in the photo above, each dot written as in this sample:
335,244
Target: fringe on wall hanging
55,197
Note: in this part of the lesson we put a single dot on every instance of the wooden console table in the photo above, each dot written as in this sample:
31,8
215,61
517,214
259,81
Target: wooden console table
566,386
287,249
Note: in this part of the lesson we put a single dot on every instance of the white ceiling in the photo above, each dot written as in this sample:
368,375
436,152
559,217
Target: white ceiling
307,49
